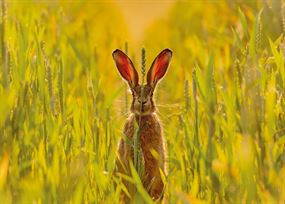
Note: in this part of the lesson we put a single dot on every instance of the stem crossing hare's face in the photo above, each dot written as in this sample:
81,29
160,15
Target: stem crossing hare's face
142,103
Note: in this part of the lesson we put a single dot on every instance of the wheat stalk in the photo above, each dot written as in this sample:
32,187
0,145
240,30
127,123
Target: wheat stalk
143,71
258,34
137,148
10,64
196,132
283,16
60,87
2,29
282,44
186,95
48,75
4,46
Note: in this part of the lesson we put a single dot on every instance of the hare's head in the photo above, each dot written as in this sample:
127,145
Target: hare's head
142,103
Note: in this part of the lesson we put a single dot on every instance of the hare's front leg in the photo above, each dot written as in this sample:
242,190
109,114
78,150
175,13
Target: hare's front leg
154,161
125,155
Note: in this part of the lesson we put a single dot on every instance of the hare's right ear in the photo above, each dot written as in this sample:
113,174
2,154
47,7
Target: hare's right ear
159,67
126,68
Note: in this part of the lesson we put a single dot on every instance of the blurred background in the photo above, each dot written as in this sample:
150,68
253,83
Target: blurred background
63,103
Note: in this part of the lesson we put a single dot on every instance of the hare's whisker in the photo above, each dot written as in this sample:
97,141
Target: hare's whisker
174,105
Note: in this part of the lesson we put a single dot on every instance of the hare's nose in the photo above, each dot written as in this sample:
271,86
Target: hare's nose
142,101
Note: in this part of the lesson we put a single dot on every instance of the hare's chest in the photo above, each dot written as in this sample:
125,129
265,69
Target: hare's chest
150,133
148,130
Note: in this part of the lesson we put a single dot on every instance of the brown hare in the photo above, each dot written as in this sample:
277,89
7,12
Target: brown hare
143,114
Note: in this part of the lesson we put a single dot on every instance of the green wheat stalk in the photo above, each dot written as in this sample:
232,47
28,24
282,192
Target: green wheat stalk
4,45
10,66
237,71
196,124
2,29
211,106
48,75
283,16
143,70
282,44
137,148
196,132
258,34
60,87
186,95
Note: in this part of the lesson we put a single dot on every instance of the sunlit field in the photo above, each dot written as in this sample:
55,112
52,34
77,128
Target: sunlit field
63,104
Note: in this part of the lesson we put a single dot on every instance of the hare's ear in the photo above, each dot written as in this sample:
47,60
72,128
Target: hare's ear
126,68
159,67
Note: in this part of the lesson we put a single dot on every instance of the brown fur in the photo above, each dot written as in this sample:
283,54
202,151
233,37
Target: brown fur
150,134
151,138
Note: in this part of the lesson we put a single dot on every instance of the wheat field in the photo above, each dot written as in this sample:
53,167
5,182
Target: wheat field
63,103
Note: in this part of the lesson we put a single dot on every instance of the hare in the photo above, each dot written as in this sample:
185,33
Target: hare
143,113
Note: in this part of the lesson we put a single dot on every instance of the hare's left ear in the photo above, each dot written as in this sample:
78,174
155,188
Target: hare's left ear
126,68
159,67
